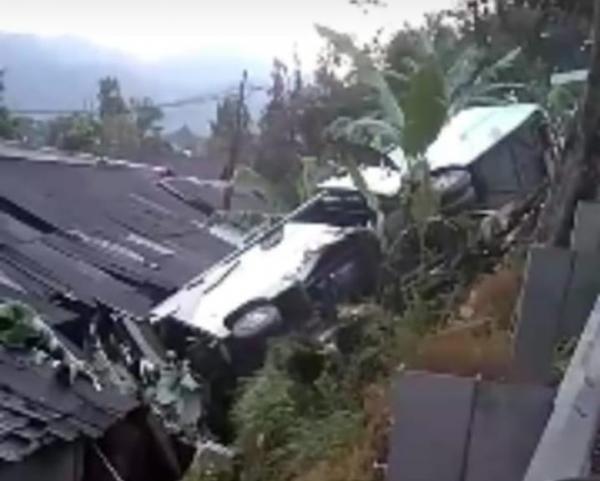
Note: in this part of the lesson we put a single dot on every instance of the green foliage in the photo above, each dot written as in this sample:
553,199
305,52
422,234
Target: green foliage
561,103
367,74
8,125
424,203
284,134
119,136
415,117
225,123
419,313
471,73
178,398
110,100
147,115
23,330
285,425
414,121
478,85
16,325
425,109
293,125
75,133
373,132
122,128
306,402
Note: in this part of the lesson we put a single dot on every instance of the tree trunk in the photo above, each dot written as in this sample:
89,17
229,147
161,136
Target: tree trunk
591,107
578,175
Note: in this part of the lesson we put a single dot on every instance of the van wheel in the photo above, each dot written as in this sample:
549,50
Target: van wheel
451,184
259,320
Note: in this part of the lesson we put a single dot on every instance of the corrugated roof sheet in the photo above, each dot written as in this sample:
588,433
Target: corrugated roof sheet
97,232
36,409
208,195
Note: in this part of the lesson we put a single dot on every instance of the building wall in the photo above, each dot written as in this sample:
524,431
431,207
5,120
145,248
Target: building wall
55,463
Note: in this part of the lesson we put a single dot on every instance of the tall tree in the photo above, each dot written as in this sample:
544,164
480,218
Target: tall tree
147,115
77,133
120,136
226,117
109,98
579,173
230,136
278,151
7,124
241,120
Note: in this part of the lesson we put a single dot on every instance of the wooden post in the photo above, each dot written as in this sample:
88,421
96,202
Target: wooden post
236,141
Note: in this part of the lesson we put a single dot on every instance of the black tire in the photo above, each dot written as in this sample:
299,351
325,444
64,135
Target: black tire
272,323
451,184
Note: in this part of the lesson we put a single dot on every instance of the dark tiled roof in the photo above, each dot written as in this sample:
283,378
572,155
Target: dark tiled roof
98,233
36,409
202,167
208,196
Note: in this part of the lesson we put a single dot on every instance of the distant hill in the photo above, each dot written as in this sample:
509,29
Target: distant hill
63,72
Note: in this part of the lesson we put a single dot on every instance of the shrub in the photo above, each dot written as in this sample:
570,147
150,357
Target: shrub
284,424
288,421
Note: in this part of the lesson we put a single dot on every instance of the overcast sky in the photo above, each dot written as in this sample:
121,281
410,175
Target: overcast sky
153,29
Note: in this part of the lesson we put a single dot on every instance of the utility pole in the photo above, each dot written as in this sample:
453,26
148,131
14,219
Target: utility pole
236,142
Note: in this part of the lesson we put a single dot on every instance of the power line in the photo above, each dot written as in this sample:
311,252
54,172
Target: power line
49,111
172,104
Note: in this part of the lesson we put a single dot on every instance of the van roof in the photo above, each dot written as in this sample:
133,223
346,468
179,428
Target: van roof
472,132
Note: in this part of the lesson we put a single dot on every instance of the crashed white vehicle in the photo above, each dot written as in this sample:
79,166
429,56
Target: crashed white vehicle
326,251
295,272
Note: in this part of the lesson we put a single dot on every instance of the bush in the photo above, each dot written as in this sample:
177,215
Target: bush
285,424
288,421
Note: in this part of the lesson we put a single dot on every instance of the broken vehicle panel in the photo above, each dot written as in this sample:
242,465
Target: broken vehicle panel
502,149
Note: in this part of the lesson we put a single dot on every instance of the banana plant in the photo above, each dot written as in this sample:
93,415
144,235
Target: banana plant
430,94
412,120
368,74
467,84
412,123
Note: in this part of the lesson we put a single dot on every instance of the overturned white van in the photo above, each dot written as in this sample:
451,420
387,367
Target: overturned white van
484,157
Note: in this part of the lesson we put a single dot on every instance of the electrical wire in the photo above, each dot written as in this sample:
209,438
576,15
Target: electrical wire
172,104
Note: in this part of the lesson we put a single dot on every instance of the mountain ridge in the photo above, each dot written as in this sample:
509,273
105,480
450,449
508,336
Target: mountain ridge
62,73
